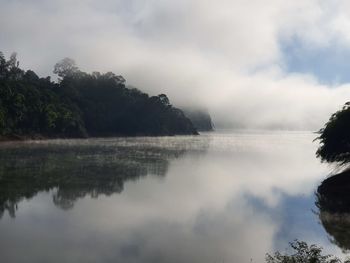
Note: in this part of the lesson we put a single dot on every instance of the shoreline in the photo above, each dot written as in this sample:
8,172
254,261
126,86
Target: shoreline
24,138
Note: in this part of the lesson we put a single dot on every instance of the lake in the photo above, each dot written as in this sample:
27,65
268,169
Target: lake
219,197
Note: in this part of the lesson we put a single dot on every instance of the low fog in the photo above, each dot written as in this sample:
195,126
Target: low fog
227,56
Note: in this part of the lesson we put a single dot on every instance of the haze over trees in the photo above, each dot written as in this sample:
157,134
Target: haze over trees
80,105
200,119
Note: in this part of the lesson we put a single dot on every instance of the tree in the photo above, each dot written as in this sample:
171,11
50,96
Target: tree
3,66
303,254
335,138
164,100
65,67
13,62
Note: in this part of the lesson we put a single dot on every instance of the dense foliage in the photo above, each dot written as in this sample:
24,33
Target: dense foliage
81,105
303,254
335,137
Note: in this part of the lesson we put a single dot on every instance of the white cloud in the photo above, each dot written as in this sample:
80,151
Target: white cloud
223,54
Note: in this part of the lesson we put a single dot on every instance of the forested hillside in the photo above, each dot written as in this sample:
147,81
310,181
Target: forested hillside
80,104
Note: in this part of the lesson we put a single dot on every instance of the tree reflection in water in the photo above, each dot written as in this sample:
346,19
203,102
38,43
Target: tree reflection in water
76,170
333,201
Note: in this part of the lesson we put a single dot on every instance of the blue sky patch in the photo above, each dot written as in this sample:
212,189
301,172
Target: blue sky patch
329,64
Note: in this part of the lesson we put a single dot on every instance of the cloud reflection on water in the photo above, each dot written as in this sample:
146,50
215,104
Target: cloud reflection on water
228,197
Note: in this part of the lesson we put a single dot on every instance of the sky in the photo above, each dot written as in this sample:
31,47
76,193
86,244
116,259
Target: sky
254,64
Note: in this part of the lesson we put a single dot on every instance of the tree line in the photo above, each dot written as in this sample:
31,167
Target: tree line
80,104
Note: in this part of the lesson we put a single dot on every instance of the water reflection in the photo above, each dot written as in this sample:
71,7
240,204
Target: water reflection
333,201
228,197
77,168
338,228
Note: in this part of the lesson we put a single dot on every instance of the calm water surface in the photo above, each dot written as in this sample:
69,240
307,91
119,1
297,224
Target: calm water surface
218,197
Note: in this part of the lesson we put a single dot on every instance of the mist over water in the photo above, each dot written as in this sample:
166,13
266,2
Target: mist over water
274,71
222,196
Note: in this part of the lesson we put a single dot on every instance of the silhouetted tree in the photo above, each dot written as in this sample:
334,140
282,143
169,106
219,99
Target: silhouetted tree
335,137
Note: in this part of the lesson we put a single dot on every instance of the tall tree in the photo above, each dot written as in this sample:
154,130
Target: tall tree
65,67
